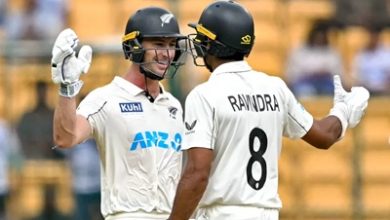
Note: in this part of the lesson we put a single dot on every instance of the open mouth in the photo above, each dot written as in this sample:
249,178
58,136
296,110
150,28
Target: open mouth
163,65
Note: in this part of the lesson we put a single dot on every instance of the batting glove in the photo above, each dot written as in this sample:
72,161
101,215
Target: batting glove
340,108
349,107
357,101
66,67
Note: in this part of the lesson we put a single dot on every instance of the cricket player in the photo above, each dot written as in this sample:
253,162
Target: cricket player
236,120
137,125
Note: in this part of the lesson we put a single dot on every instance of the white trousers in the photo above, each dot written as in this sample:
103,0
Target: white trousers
138,216
236,213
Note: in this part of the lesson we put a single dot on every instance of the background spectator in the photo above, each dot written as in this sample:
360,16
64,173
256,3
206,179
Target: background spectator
35,132
3,10
372,64
10,158
359,12
311,66
37,20
37,143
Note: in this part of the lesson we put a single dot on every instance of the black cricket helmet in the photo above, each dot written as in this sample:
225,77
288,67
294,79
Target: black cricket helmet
224,29
152,22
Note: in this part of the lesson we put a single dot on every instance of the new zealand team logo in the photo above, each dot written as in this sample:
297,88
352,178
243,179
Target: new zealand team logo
172,112
165,19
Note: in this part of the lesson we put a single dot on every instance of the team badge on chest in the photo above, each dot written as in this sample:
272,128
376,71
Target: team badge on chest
172,112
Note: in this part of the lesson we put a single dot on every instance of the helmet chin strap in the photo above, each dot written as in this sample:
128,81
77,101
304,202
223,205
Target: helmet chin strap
207,64
149,74
147,94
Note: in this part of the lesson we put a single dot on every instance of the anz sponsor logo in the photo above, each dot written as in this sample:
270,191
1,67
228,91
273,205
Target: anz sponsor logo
158,139
131,107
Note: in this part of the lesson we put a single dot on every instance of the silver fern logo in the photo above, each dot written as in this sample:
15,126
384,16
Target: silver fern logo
165,19
172,112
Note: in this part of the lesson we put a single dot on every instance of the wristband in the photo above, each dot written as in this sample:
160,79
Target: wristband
70,90
340,110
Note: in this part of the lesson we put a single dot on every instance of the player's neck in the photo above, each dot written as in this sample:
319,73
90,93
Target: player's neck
144,83
152,86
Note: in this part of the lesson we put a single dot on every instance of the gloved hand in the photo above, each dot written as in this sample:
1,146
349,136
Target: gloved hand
357,100
66,67
349,107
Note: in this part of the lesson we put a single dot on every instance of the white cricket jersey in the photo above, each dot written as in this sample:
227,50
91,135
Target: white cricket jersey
242,115
139,145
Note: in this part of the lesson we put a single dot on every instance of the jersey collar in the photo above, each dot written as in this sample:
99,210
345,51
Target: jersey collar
127,86
232,67
133,89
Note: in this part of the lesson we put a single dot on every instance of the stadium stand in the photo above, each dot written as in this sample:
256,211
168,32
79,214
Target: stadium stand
350,177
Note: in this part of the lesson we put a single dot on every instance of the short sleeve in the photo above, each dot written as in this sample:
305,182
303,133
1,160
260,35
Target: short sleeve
297,121
91,105
198,121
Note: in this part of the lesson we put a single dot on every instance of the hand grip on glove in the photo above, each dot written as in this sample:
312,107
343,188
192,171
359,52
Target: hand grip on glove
66,67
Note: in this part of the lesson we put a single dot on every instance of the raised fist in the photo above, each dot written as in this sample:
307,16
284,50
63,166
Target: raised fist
66,68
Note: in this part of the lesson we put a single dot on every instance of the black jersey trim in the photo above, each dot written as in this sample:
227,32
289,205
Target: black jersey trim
97,110
300,125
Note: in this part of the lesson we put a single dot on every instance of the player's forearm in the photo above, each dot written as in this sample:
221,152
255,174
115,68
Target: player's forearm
324,133
64,132
188,195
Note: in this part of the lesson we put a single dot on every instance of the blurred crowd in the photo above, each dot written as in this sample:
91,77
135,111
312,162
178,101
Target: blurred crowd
310,66
30,20
309,69
28,142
